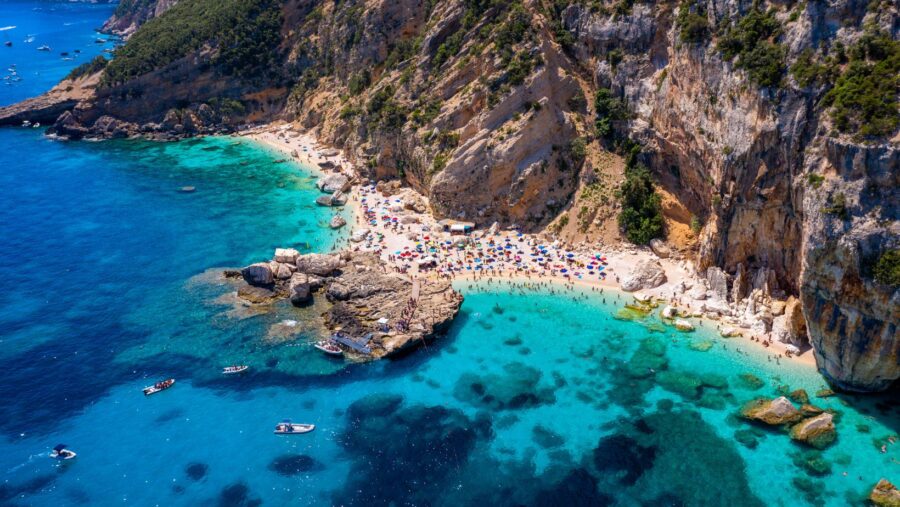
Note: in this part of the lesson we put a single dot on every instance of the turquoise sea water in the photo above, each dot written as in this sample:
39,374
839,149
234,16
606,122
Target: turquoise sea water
109,280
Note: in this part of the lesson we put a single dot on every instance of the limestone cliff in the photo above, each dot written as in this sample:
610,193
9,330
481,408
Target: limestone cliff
771,126
131,14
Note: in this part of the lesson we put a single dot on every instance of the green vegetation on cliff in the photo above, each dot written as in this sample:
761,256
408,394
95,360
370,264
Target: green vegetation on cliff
864,98
887,269
691,22
752,41
245,33
85,69
641,217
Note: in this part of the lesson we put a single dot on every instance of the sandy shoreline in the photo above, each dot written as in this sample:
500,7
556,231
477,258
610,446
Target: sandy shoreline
389,238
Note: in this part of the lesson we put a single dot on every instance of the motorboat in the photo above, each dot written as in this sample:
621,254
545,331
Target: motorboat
286,427
26,123
329,347
44,48
60,452
162,385
231,370
100,41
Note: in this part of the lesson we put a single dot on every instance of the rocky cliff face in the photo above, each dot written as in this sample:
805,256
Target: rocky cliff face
774,123
131,14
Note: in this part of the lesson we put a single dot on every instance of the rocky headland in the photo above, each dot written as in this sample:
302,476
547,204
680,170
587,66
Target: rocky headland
387,312
754,142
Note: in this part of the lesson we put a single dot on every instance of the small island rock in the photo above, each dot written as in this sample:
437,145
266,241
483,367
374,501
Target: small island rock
773,412
885,494
817,431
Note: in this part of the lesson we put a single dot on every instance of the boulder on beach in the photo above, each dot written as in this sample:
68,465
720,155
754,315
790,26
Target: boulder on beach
336,199
683,325
299,289
669,312
259,274
773,412
660,249
337,222
885,494
318,264
359,235
817,431
646,274
730,332
332,183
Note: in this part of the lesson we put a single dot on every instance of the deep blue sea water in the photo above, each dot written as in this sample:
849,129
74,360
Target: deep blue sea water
110,280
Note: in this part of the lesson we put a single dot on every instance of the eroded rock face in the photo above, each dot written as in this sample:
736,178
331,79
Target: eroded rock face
646,274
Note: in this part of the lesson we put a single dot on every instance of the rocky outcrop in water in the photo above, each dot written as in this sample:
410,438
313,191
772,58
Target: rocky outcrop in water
387,312
885,494
773,412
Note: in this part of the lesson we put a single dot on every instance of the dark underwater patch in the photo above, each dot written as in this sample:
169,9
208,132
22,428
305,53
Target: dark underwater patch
405,455
169,415
294,464
237,495
196,471
623,457
578,489
518,388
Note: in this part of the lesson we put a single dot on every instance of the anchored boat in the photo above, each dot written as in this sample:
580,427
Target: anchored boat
329,347
159,386
286,427
231,370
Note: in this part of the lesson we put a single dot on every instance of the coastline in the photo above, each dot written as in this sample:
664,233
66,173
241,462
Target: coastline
304,148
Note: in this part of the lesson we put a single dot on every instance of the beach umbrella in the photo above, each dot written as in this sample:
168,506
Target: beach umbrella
563,270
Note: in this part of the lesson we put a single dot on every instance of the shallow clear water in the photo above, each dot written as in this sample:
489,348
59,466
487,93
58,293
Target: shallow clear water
109,280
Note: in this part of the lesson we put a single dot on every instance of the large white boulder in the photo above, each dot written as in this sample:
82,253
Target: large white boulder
646,274
332,183
683,325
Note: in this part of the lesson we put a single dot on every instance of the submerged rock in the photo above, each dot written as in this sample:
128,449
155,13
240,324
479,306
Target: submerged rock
773,412
817,431
885,494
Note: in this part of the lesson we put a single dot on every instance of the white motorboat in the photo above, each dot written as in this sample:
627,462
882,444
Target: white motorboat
159,386
231,370
286,427
329,347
